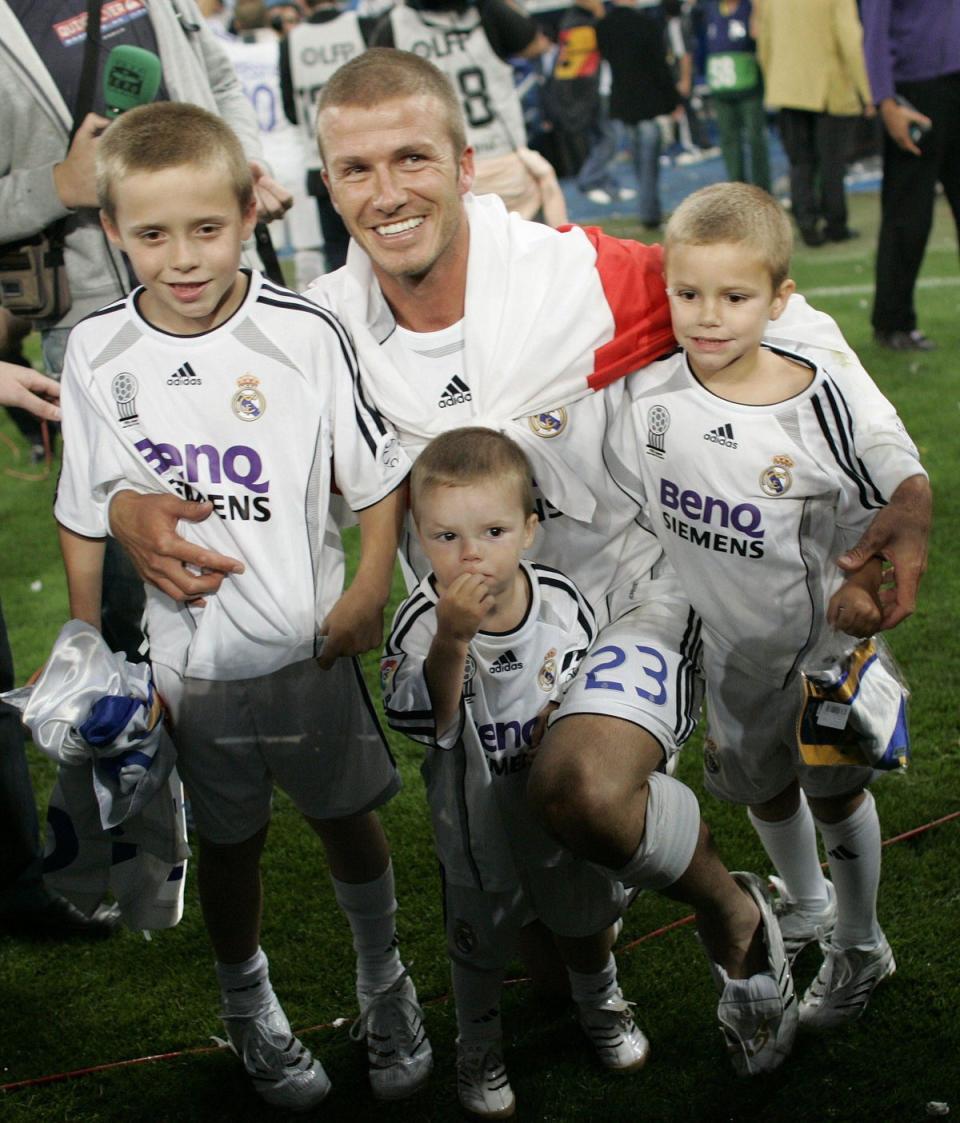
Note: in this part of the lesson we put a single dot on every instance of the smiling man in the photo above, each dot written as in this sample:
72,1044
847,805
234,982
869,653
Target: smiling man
462,314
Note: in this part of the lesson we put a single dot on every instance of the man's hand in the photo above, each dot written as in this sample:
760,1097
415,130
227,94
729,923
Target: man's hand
897,120
352,626
146,527
20,386
75,177
273,201
462,607
899,533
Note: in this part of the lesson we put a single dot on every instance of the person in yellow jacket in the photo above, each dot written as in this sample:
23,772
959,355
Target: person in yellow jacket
811,53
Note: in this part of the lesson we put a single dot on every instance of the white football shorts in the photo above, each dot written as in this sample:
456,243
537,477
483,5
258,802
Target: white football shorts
572,899
313,733
644,666
750,753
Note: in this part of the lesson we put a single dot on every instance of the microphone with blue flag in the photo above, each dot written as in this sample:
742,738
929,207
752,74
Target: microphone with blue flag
131,77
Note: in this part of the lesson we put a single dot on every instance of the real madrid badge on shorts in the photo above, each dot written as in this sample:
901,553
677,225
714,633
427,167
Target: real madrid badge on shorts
855,712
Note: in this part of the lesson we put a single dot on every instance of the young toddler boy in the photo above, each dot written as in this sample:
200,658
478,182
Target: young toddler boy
743,457
477,657
211,382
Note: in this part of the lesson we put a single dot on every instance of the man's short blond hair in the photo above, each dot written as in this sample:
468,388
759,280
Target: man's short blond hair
739,214
468,456
169,134
384,74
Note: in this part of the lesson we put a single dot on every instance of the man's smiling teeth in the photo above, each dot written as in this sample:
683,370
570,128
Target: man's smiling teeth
400,227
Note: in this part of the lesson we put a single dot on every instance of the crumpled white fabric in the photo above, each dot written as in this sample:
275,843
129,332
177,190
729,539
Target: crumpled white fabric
88,691
115,818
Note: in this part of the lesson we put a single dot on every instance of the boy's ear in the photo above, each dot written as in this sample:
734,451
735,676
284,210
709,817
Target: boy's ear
781,296
249,218
530,530
110,229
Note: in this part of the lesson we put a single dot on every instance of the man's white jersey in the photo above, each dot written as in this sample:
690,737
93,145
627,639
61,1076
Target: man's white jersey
476,777
260,416
752,504
604,556
457,44
317,50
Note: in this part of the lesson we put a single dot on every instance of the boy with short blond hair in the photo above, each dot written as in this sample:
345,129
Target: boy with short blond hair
213,383
476,661
743,457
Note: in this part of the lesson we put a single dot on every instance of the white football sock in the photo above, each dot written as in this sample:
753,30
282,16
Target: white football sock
476,993
595,988
244,987
791,845
370,908
853,851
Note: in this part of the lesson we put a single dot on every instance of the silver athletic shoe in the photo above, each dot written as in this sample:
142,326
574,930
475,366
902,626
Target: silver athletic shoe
283,1070
843,986
482,1085
758,1016
619,1042
798,926
398,1051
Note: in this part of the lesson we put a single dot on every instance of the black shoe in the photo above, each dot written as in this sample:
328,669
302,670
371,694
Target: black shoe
845,235
904,340
57,919
813,237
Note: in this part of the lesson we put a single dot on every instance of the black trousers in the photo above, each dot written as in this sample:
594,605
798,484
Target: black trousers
907,197
21,859
817,147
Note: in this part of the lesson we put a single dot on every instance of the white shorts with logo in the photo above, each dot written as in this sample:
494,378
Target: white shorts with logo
644,666
313,733
750,754
572,899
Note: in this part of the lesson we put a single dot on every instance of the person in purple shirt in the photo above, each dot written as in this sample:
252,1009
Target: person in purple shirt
912,50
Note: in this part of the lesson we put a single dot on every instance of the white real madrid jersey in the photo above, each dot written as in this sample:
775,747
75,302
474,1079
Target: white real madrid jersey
456,43
476,782
604,556
260,416
317,50
752,504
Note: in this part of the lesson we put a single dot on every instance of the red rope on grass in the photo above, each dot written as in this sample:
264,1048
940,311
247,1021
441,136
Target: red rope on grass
53,1078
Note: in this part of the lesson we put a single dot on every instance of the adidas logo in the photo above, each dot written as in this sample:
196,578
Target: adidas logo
184,376
722,435
506,662
456,393
842,854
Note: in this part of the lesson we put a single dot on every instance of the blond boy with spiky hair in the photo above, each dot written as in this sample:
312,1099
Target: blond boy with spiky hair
210,382
743,456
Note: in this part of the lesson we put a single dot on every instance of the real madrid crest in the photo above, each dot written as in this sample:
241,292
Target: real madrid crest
248,403
551,423
777,480
547,675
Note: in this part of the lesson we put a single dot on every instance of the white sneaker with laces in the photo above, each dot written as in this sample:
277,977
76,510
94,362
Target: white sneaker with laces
843,986
619,1042
599,196
758,1016
799,926
399,1053
482,1085
282,1068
